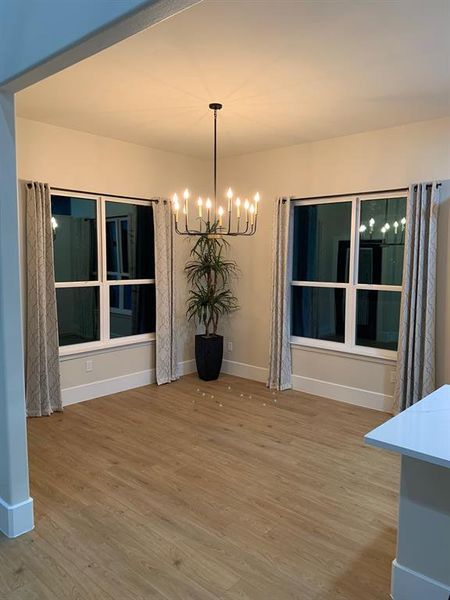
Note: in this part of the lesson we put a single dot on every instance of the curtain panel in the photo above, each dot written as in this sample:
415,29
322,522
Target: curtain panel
416,346
43,388
280,349
166,344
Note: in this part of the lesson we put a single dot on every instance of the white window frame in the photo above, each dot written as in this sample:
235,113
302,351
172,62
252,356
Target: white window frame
349,346
103,283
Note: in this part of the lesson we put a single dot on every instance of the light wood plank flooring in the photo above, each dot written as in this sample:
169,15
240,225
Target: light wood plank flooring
227,493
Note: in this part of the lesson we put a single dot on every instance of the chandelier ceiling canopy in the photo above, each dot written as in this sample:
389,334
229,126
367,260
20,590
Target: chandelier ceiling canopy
207,218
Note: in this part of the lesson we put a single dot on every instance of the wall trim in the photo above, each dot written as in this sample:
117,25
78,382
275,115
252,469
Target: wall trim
317,387
105,387
244,370
411,585
343,393
16,519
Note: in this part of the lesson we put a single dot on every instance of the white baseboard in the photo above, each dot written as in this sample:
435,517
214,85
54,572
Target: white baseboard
186,367
411,585
326,389
244,370
343,393
16,519
105,387
96,389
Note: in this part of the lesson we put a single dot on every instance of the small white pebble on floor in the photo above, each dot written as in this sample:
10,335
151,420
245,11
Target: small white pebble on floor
220,404
264,403
275,400
229,387
198,389
250,396
203,394
212,396
242,395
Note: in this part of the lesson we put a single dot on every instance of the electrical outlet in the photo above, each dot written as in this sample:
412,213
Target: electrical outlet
230,346
393,376
89,366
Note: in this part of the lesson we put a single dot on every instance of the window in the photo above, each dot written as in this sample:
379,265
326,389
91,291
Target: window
104,271
347,265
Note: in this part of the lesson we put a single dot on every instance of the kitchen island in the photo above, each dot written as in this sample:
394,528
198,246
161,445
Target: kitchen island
421,434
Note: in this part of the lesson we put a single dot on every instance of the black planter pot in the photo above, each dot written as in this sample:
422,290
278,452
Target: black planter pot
208,356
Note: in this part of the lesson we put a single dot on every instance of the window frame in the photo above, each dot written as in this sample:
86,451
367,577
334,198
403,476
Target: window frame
103,283
349,346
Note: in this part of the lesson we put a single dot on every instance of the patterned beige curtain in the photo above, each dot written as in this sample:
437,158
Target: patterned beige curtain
166,347
43,389
280,350
416,346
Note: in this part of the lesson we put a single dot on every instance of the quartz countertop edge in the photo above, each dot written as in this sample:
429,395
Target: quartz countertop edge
422,431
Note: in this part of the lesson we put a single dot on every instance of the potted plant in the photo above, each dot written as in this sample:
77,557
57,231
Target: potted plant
209,274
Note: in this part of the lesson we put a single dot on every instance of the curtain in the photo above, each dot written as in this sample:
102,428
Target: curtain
166,351
280,350
43,389
416,346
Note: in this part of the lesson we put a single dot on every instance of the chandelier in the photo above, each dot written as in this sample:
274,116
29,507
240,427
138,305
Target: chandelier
208,219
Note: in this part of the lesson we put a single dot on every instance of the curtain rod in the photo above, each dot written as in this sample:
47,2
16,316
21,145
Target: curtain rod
361,193
60,189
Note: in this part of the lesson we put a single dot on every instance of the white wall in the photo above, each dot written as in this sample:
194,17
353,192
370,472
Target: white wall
72,159
383,159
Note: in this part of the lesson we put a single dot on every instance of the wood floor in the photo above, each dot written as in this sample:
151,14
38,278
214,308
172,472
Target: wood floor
218,491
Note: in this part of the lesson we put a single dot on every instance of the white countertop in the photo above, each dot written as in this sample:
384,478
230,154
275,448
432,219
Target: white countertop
421,431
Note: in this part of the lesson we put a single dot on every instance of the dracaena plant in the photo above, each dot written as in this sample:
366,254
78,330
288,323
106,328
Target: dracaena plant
209,275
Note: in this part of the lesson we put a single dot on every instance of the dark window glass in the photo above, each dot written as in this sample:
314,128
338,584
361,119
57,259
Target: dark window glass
318,313
129,241
321,250
75,238
132,310
377,318
78,315
382,241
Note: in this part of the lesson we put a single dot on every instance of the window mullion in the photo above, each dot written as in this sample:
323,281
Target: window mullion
104,288
350,304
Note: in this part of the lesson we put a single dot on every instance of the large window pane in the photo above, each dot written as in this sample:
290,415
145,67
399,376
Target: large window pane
132,310
78,315
321,249
129,241
75,238
318,313
377,318
381,241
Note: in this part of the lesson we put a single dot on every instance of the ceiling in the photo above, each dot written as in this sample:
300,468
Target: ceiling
286,71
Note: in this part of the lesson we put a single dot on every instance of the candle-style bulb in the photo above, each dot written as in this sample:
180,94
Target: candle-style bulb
220,212
252,213
208,203
229,193
186,194
246,205
176,204
238,208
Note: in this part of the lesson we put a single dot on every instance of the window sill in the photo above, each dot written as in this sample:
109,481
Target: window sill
92,348
356,353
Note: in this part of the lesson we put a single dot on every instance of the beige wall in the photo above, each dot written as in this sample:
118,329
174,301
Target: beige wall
389,158
73,159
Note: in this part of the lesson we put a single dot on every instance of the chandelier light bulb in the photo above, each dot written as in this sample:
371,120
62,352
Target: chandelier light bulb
372,222
246,205
387,226
395,227
220,212
229,193
208,203
403,221
383,230
186,194
252,214
54,223
362,229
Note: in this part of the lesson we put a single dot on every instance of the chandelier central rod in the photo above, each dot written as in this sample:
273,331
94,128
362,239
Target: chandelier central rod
215,106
